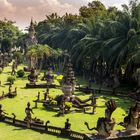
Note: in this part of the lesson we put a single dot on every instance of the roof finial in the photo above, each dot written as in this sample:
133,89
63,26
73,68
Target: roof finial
31,21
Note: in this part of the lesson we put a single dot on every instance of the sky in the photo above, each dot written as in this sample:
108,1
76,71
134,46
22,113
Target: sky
22,11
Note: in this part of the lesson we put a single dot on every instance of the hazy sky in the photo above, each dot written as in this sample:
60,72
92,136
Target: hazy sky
21,11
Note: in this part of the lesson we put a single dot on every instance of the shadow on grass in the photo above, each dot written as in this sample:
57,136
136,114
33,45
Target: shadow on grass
19,128
101,106
7,84
50,109
22,78
90,113
24,87
6,72
64,137
80,93
2,86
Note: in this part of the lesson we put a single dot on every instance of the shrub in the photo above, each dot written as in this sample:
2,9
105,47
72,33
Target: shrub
50,97
20,73
68,105
11,79
59,79
53,102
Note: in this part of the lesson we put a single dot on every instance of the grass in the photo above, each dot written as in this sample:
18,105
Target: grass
18,104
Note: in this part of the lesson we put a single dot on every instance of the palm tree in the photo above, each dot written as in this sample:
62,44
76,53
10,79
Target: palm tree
89,46
98,47
108,43
38,55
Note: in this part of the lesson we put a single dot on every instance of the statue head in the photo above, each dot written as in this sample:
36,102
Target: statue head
28,104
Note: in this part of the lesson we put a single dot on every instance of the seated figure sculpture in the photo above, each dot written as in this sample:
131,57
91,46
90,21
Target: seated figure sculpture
132,121
32,77
12,94
29,119
67,125
105,124
49,78
28,112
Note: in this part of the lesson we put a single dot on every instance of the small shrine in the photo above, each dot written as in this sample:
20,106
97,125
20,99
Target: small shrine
68,81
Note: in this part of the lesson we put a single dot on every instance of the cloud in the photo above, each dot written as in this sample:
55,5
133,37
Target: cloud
50,6
21,11
6,7
76,3
116,3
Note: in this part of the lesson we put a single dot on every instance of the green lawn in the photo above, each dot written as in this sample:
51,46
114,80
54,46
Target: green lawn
18,104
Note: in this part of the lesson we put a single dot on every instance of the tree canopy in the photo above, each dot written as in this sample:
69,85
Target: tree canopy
100,40
9,34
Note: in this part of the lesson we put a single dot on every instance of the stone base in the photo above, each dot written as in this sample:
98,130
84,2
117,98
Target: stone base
116,135
40,86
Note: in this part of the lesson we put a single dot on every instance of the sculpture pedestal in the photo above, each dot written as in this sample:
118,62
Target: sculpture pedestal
67,90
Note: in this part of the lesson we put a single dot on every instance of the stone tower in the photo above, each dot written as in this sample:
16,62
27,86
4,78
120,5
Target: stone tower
31,38
68,80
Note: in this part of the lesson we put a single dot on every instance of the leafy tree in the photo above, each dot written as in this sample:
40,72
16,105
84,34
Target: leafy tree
6,45
9,33
94,9
38,55
18,56
101,41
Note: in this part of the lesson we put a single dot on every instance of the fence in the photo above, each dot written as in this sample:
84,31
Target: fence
41,86
46,129
99,90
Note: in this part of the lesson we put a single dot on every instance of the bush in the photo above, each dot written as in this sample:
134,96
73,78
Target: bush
50,97
11,79
20,73
60,79
68,105
53,102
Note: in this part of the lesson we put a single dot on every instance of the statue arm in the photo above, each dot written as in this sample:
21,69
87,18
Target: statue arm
4,112
111,107
32,111
89,128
